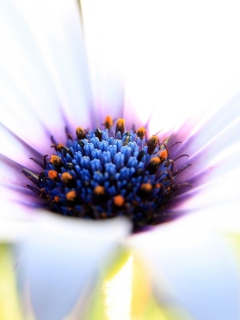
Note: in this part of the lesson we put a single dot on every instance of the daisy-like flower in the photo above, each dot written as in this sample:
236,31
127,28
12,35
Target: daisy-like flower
88,167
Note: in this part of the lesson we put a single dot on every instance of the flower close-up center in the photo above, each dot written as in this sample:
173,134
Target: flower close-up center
119,160
109,172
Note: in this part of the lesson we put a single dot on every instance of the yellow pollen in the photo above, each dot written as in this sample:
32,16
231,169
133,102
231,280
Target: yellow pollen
56,199
121,122
80,132
60,146
163,154
158,185
155,161
120,125
108,122
99,190
71,195
141,132
146,187
55,160
118,200
52,174
154,139
66,177
152,143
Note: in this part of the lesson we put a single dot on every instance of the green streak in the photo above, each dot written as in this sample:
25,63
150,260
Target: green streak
9,302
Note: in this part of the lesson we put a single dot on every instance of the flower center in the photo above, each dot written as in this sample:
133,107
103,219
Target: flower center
107,173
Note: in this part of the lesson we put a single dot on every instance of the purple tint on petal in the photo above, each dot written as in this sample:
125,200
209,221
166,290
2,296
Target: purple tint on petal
55,89
109,99
148,121
32,109
173,208
205,147
11,172
131,119
14,184
203,160
21,195
212,127
108,110
33,151
35,64
176,139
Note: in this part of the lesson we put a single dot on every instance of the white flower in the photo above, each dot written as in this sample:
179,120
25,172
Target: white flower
50,79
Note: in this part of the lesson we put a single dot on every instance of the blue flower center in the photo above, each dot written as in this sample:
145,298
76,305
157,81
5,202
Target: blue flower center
107,173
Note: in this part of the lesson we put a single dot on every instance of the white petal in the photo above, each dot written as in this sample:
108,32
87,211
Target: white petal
105,38
172,63
211,125
15,220
16,149
61,257
44,70
197,264
214,195
211,154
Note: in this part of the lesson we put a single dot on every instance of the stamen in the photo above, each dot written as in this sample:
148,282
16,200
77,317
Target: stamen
152,144
71,195
153,165
35,190
104,173
80,132
108,122
60,147
146,188
55,160
141,132
99,190
120,126
56,199
31,176
52,174
66,177
181,169
98,133
118,200
181,156
38,162
163,154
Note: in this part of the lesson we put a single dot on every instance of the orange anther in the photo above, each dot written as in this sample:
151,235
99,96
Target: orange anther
155,161
66,177
108,123
146,187
120,125
56,199
52,174
80,132
55,160
141,132
152,143
163,154
71,195
60,146
153,165
99,190
118,200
